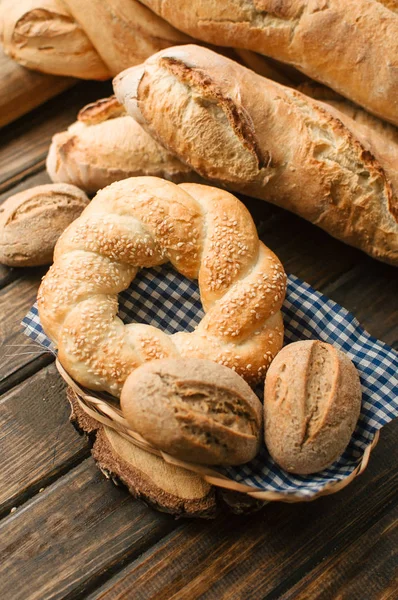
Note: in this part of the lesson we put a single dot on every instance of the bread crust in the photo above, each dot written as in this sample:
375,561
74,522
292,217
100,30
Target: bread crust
64,38
255,136
206,233
106,145
349,45
312,401
32,221
195,410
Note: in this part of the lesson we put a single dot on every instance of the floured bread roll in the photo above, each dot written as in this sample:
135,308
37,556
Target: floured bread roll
312,403
194,409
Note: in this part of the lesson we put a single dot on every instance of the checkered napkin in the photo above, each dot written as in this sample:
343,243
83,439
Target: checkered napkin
164,298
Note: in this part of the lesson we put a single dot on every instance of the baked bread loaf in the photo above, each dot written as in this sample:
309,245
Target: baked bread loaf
349,45
252,135
206,234
312,401
32,221
89,40
106,145
195,410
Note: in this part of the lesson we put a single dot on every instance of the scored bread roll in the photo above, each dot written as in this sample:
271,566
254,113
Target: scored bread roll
194,409
349,45
312,401
255,136
106,145
32,221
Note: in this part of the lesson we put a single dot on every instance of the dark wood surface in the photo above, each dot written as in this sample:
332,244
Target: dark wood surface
67,532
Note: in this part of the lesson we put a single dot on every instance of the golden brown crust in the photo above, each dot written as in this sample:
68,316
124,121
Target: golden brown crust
64,38
32,221
144,222
195,410
322,165
106,145
312,401
349,45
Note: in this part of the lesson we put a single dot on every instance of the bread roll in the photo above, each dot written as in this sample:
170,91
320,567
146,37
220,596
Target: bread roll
106,145
194,409
312,402
349,45
32,221
258,137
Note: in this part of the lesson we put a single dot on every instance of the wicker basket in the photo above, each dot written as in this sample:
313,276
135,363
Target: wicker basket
107,413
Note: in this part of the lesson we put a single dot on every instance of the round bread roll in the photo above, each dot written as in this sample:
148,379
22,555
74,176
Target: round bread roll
195,410
312,402
32,221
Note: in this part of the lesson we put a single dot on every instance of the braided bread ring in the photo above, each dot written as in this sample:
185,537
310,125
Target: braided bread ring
206,233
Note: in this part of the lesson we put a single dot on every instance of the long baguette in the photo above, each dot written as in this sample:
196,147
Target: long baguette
258,137
350,45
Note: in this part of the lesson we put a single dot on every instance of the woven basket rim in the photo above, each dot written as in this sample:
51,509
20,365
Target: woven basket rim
110,416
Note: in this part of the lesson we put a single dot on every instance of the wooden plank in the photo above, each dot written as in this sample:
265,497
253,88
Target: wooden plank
17,350
367,568
24,144
21,89
38,442
264,555
73,535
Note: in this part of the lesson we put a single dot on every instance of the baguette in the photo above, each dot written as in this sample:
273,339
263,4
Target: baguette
349,45
106,145
65,38
255,136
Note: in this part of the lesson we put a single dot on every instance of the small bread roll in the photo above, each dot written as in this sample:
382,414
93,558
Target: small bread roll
32,221
312,402
194,409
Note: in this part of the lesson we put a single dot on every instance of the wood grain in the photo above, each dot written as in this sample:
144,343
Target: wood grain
24,144
72,535
264,555
367,568
38,443
17,350
21,90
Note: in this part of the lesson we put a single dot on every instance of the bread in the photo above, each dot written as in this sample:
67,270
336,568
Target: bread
255,136
32,221
89,40
106,145
349,45
351,110
206,234
195,410
312,401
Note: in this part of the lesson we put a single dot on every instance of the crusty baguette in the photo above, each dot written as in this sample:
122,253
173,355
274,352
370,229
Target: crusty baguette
350,45
253,135
312,401
355,112
106,145
89,40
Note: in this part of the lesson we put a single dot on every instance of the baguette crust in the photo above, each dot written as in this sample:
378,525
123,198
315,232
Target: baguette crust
349,45
106,145
89,40
255,136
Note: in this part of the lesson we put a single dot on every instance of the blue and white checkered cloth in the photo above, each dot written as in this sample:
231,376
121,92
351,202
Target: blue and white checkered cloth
164,298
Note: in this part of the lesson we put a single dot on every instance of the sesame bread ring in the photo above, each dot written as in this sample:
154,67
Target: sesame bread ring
207,234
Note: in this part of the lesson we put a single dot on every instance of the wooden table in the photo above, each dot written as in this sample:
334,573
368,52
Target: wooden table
67,532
